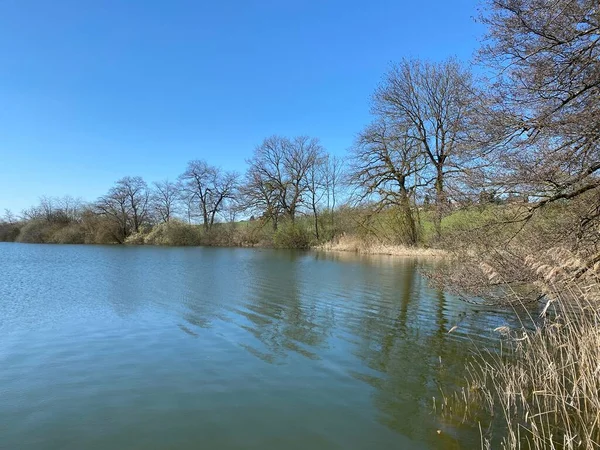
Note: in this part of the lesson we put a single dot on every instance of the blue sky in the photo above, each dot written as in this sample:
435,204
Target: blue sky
91,91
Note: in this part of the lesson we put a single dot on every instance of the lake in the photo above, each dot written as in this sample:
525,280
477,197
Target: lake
113,347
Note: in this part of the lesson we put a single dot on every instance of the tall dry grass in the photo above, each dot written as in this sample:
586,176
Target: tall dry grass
350,243
540,389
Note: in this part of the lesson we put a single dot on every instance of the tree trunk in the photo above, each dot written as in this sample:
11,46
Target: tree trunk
407,212
440,201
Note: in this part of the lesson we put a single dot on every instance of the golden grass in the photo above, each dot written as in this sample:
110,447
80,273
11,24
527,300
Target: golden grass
541,388
346,243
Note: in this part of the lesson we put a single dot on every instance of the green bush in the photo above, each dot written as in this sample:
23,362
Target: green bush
292,235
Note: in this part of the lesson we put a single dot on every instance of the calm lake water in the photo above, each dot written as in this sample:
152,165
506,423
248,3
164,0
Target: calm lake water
187,348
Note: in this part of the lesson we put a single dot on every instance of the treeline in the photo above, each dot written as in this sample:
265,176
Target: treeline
287,198
441,141
287,181
405,173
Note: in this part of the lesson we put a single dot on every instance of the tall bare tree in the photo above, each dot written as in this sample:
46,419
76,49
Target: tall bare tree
165,199
126,204
302,155
260,195
280,166
431,102
210,187
546,107
385,168
334,173
543,112
317,185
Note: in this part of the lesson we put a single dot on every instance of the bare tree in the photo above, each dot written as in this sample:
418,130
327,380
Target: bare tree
385,168
126,204
114,206
55,210
302,155
259,195
136,192
334,172
69,208
543,112
46,208
278,172
316,182
546,110
210,187
9,216
164,200
431,102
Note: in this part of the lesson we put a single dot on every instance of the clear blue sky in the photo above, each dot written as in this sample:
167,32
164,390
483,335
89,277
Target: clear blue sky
91,91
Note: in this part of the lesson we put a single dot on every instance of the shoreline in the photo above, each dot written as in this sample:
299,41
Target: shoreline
365,249
362,248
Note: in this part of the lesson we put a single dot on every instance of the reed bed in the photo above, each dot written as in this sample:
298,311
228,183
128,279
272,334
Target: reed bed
349,243
540,388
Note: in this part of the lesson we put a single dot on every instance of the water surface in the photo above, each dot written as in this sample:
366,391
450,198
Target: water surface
186,348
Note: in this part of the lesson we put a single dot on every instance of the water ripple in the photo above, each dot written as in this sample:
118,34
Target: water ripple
127,347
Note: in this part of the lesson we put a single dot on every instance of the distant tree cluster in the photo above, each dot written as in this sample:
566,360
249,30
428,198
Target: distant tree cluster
286,178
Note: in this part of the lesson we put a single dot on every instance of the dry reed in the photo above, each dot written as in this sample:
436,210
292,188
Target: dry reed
541,388
347,243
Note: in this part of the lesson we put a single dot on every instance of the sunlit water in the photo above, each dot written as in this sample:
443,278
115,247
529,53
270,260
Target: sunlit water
188,348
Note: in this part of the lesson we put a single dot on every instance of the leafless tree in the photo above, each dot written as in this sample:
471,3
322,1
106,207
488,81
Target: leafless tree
188,203
385,168
302,156
431,102
69,208
210,187
46,207
333,180
55,210
543,113
317,187
334,172
545,102
127,205
278,171
547,106
259,195
137,195
9,216
165,199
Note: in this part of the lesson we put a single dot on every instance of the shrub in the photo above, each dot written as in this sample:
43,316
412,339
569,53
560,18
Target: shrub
135,239
174,233
292,235
9,232
37,232
69,234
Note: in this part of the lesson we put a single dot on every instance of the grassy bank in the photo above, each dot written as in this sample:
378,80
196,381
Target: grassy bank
346,229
